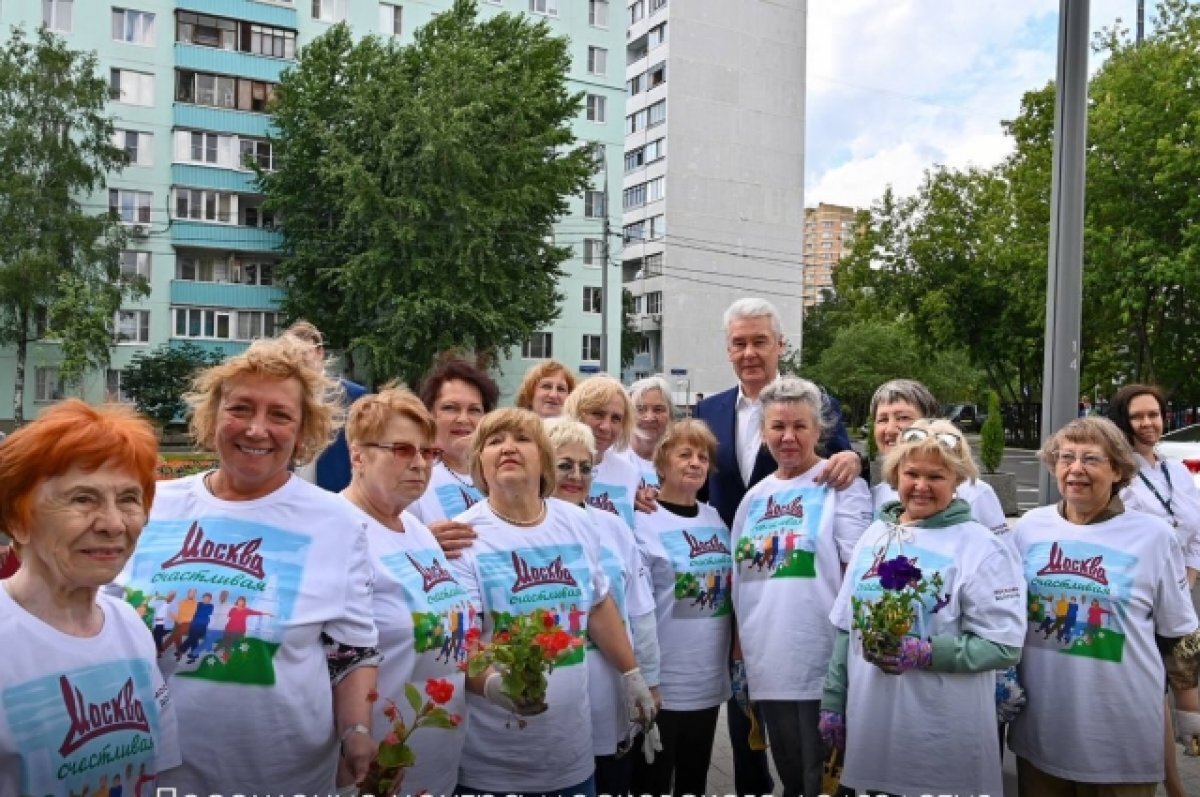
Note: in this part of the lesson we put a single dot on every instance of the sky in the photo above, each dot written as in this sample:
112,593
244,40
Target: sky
899,86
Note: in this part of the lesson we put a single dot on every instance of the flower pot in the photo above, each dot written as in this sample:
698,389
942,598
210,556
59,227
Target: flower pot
1005,486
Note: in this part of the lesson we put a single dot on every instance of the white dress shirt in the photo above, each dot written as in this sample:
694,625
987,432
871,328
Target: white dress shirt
749,434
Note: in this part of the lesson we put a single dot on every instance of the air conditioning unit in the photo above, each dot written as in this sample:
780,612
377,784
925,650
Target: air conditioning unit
139,230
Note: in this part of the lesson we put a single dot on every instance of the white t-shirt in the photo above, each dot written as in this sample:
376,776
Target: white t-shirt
645,468
1174,484
448,495
691,572
255,707
423,615
790,538
630,587
985,506
614,486
75,711
514,570
1097,595
927,731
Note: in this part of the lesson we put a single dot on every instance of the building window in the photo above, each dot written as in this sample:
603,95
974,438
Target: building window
47,384
597,60
539,346
634,196
590,349
654,264
656,189
595,108
254,273
592,301
637,10
594,204
132,207
133,326
205,31
643,344
598,13
656,75
654,302
132,27
252,324
593,251
138,146
656,36
263,40
113,386
329,10
222,91
635,233
135,265
131,88
205,205
201,268
56,15
389,20
656,5
197,322
257,152
656,114
658,227
545,7
203,147
257,216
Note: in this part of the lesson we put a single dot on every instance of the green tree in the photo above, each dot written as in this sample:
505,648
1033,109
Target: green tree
862,356
991,443
60,274
156,380
418,186
629,331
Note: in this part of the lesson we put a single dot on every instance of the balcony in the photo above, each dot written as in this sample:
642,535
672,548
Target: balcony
207,235
279,13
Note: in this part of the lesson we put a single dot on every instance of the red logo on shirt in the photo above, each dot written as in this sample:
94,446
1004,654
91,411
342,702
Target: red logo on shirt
91,720
793,508
1092,569
602,501
431,576
528,576
467,499
711,545
197,548
873,570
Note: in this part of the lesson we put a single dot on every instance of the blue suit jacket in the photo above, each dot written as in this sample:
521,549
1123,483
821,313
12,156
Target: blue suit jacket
333,466
725,489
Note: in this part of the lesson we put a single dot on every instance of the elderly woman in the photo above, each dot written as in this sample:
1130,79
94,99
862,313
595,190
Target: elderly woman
895,405
685,546
612,728
545,388
292,558
75,487
792,539
458,395
652,404
602,403
535,552
910,690
1102,583
421,611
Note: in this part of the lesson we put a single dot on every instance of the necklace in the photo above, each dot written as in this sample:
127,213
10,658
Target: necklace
525,523
464,482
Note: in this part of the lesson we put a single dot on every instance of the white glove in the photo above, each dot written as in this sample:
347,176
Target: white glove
1187,727
652,743
493,690
638,700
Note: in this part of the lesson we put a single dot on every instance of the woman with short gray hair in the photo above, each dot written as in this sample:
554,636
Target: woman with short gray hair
792,538
654,410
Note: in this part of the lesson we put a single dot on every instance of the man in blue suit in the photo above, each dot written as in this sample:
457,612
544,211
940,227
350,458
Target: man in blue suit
754,342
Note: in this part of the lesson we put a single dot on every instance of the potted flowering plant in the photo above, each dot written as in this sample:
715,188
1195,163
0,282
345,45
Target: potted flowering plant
884,622
394,755
525,649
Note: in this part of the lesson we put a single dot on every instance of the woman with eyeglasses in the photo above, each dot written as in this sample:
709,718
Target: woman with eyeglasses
458,395
421,612
1102,583
686,548
791,540
654,411
613,731
914,708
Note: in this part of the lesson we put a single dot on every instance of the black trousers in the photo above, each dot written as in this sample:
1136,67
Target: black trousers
682,766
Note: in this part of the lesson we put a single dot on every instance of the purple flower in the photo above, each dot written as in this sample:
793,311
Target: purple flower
898,573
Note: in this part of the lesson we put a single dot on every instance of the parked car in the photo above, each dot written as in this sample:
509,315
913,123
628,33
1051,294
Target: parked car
1184,445
967,417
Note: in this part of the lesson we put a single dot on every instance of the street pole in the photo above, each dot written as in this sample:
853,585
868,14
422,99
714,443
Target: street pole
604,303
1064,284
1141,20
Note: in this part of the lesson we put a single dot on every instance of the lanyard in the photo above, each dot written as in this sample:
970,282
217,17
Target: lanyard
1166,503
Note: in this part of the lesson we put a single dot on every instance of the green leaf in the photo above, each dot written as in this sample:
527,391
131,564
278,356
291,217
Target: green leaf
395,755
439,718
414,698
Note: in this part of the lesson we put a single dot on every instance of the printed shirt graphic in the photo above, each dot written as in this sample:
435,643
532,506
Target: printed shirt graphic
790,539
646,469
510,571
1097,595
983,594
247,588
691,571
448,495
423,615
81,714
614,486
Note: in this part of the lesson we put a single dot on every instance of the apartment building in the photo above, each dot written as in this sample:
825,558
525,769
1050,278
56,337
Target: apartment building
190,86
828,236
713,190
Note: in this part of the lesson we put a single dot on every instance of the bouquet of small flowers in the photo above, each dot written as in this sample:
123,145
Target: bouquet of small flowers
395,756
884,622
525,650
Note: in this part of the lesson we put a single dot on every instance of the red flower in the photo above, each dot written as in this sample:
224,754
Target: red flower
372,696
439,689
547,621
456,720
391,712
391,738
502,637
473,635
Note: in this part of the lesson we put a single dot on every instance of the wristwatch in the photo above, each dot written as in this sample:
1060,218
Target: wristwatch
357,727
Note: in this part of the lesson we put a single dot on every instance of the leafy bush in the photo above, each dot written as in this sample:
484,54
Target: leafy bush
991,444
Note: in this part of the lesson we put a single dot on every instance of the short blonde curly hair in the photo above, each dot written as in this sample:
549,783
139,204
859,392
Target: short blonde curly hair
277,358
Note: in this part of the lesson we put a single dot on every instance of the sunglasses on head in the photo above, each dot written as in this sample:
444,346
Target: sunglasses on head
914,433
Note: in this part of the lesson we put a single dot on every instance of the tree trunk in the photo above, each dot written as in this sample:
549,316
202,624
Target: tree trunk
19,376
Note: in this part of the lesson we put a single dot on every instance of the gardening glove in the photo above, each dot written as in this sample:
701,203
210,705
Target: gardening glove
638,700
741,688
651,743
1010,695
493,690
1187,731
832,726
910,654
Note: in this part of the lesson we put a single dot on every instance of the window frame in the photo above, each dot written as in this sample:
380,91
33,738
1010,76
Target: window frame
544,344
590,344
149,28
141,334
53,9
593,299
596,108
41,376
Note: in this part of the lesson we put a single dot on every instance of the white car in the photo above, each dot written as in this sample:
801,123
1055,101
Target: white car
1184,445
